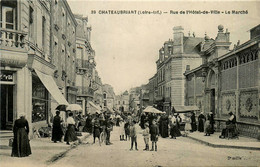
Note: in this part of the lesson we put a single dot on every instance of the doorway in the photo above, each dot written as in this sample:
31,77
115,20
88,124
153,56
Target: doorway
6,107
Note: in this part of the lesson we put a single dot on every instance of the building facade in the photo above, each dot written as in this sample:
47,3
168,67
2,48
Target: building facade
174,57
109,97
26,59
38,60
85,63
228,81
63,46
122,104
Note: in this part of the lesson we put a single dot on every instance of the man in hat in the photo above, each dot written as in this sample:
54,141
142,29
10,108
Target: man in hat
146,136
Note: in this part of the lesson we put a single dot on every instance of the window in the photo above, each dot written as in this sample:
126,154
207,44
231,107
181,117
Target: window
123,102
39,100
8,14
31,22
43,32
105,96
118,102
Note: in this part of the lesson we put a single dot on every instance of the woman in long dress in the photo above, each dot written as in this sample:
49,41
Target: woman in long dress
57,132
202,120
21,146
122,130
70,134
187,124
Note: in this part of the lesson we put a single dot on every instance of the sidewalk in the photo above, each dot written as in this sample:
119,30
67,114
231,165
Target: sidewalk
43,152
214,141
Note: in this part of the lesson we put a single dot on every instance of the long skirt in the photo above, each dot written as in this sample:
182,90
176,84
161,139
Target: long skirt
21,145
175,132
57,133
164,129
201,125
96,132
70,134
187,127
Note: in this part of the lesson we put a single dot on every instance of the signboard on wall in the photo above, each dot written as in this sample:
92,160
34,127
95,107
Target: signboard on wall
6,76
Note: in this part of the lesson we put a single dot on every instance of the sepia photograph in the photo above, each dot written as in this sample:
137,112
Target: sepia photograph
127,83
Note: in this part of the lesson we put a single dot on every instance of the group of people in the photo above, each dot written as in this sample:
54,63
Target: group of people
129,126
101,125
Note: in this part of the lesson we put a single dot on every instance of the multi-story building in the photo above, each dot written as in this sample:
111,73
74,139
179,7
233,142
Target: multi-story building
38,60
109,97
98,89
228,81
85,63
152,87
174,57
63,35
27,69
134,99
122,104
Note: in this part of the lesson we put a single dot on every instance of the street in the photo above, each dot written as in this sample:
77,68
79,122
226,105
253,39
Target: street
171,152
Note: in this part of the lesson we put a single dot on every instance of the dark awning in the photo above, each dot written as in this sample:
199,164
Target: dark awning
183,109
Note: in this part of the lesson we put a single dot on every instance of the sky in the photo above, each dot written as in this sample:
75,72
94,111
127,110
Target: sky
127,46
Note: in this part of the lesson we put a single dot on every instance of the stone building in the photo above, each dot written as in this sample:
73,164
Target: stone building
85,63
38,60
228,81
152,88
109,97
27,69
122,104
174,57
63,28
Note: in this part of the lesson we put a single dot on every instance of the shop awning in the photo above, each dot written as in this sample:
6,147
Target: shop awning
51,86
182,109
110,110
94,105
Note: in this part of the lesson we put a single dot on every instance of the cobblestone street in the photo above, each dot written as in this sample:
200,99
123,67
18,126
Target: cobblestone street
179,152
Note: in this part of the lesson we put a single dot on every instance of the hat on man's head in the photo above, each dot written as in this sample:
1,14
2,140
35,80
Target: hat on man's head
20,115
230,113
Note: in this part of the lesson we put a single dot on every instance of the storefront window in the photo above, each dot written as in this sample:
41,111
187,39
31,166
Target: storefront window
39,101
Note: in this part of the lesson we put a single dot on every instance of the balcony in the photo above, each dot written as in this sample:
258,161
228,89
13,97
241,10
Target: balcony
85,91
12,46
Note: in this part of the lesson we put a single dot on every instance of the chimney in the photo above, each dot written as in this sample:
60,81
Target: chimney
178,39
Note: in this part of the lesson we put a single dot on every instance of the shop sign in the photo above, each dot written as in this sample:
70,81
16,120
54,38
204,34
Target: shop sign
6,76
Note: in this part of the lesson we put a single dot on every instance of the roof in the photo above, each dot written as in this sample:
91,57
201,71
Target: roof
190,44
182,109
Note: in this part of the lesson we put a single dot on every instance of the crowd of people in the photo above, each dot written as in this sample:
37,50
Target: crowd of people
101,125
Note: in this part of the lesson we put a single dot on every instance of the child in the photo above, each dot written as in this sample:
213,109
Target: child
122,129
154,131
126,127
146,136
207,127
133,135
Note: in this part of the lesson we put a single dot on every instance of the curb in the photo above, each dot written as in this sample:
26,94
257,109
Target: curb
223,146
62,154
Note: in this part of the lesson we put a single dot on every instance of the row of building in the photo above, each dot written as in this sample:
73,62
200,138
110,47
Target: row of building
204,72
46,59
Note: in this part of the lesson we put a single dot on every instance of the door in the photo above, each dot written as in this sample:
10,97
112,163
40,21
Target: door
6,107
212,101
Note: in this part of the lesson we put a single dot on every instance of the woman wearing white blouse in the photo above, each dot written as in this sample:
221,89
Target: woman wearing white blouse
70,134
